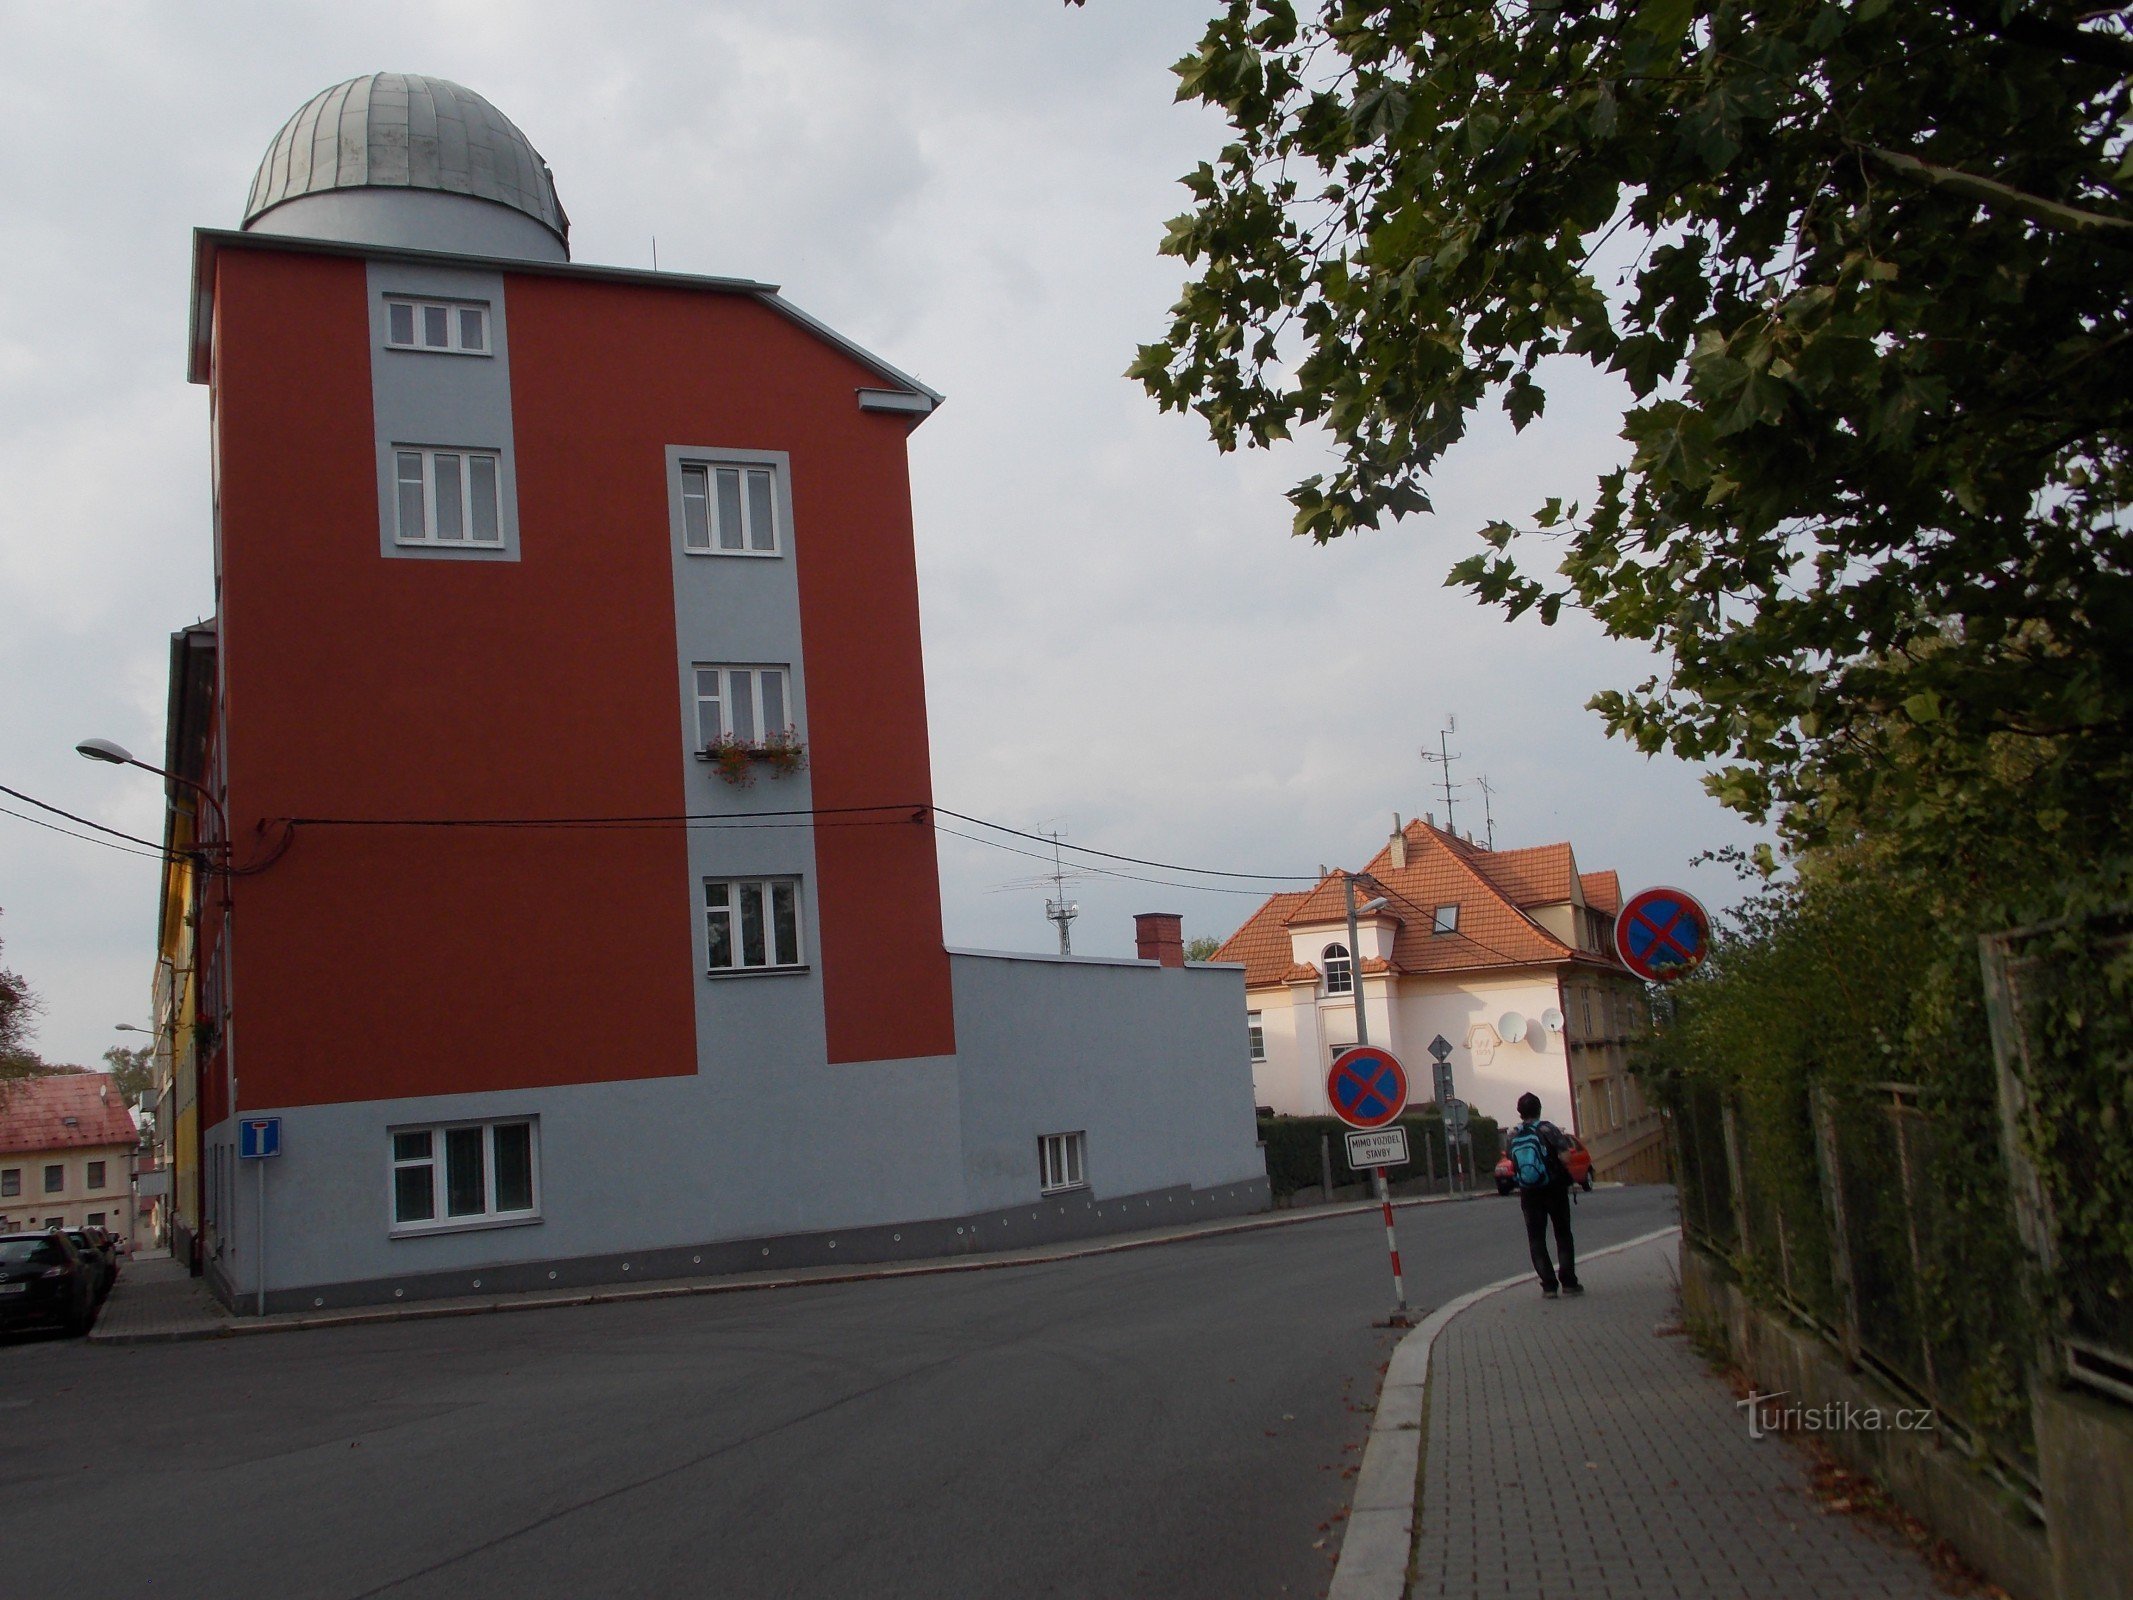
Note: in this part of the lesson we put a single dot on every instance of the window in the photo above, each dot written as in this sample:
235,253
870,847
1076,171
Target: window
55,1222
10,1180
94,1219
750,704
1339,971
1446,920
1256,1033
1336,1048
1063,1161
447,497
728,511
96,1174
454,328
752,924
463,1173
55,1178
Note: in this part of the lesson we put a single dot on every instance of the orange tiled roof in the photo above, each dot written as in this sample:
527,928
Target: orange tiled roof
1603,891
64,1111
1489,888
1539,876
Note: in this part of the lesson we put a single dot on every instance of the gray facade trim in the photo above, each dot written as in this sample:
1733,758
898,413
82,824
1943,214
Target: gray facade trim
1054,1219
896,400
419,401
1042,956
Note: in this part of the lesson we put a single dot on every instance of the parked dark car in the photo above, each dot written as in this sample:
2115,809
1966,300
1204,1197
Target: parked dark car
46,1282
1577,1158
101,1261
113,1247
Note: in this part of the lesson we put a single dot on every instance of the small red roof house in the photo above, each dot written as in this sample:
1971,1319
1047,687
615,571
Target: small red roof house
1506,956
65,1143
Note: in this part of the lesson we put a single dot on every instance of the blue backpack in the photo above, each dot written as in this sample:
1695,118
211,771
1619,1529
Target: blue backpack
1531,1165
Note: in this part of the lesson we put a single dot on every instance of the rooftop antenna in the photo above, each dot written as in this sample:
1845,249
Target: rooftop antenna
1488,791
1058,907
655,252
1444,759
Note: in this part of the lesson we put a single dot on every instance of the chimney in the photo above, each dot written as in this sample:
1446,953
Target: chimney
1160,936
1399,842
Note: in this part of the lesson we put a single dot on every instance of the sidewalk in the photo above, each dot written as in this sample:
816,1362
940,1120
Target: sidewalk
1575,1452
163,1302
156,1298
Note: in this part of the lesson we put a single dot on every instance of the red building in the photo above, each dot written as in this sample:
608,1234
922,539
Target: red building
569,718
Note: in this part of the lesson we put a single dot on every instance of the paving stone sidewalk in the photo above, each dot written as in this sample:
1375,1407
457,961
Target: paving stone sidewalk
1574,1454
156,1298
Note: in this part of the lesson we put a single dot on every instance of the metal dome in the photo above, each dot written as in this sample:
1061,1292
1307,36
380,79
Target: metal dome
398,130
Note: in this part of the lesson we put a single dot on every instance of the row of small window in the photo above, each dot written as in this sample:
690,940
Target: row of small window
55,1179
464,1174
452,497
450,327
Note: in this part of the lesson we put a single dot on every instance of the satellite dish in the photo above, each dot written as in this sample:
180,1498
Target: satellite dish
1512,1025
1552,1020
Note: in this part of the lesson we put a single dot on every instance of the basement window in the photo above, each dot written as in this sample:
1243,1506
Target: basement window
464,1174
1062,1162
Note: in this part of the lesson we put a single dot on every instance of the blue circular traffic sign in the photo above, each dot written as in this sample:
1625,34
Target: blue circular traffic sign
1367,1086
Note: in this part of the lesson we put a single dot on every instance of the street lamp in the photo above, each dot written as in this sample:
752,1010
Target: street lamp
117,755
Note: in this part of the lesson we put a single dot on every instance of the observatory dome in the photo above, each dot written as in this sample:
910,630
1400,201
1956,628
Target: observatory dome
397,159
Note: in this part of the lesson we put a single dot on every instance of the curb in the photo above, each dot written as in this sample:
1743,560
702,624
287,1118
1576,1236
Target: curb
1379,1543
231,1327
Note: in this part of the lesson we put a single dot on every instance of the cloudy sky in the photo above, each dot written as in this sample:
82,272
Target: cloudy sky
1122,640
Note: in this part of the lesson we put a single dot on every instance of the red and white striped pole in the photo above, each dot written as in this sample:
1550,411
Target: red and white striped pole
1392,1247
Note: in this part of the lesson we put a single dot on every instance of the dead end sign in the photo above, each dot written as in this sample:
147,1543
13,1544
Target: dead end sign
1662,934
1366,1086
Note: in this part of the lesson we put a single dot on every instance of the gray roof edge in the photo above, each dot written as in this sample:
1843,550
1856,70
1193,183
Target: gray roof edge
857,352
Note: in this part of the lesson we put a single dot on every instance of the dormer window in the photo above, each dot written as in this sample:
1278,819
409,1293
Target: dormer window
1446,920
1338,968
446,326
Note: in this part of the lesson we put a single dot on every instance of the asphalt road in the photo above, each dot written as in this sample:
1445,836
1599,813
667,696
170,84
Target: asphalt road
1163,1422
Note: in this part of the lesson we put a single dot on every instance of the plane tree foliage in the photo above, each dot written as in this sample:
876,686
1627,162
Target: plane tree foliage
1869,290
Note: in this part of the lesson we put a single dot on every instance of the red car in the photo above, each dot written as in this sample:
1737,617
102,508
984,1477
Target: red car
1577,1158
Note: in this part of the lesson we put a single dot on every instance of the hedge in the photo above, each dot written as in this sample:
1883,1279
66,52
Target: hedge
1292,1149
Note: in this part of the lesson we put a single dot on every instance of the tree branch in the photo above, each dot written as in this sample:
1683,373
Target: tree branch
2051,214
2070,43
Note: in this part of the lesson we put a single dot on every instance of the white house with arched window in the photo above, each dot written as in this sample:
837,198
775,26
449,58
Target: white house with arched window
1505,955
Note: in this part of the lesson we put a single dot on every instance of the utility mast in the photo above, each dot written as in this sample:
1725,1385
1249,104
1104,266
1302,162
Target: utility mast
1059,908
1443,759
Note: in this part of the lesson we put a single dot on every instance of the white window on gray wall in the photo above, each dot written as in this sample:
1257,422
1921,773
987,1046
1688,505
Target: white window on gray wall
729,510
750,704
1063,1161
452,1174
447,497
752,924
450,327
1255,1033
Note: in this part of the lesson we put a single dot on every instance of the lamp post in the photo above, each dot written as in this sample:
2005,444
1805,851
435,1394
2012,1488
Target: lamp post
115,754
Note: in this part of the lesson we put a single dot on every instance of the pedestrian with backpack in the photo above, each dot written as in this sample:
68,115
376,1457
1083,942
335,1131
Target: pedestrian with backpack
1536,1151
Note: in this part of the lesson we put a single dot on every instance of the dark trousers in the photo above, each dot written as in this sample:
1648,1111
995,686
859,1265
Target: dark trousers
1543,1206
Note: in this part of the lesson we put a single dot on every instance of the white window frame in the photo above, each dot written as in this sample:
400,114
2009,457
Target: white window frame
455,328
440,1220
1445,919
1062,1161
722,696
1327,959
427,538
725,900
1255,1034
701,505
